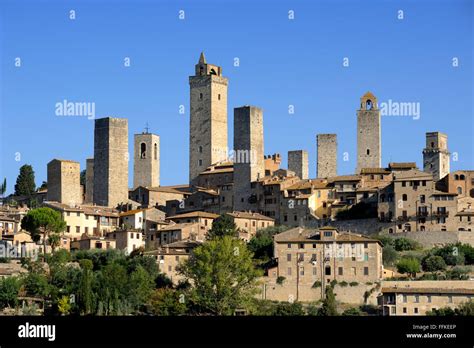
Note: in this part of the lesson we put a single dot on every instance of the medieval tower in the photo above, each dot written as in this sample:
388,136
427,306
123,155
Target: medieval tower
89,196
208,120
146,160
64,182
326,163
436,155
298,163
110,161
249,163
368,133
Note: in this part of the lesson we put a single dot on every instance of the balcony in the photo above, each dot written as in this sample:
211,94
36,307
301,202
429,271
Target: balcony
422,214
403,218
441,213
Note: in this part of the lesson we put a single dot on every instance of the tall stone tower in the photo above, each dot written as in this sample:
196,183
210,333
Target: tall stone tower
146,160
208,121
64,182
436,155
110,161
326,164
298,163
369,146
249,163
89,196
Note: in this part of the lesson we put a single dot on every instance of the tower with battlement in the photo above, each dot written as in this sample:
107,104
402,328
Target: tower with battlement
436,155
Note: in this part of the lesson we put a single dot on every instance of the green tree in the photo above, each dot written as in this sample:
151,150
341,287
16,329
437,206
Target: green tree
329,307
3,187
352,312
43,220
85,294
410,266
222,275
451,254
261,245
222,226
405,244
433,263
167,301
64,306
141,287
25,182
9,288
389,255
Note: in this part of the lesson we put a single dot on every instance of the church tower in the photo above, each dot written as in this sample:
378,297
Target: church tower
369,152
208,121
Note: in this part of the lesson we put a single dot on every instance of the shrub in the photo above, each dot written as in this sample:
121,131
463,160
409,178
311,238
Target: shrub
354,311
280,280
389,255
433,263
343,284
316,284
409,266
405,244
353,283
333,283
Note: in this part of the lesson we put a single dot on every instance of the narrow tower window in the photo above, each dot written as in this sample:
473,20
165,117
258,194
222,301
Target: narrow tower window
368,151
156,151
368,105
200,96
200,149
142,150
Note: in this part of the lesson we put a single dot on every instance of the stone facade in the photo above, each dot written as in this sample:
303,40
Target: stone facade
89,196
272,163
326,164
64,182
249,156
146,160
298,163
110,161
208,119
436,155
421,296
369,148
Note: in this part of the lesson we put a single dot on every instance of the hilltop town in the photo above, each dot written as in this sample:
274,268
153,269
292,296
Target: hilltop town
396,239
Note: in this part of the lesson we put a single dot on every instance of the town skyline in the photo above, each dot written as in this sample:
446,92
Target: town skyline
249,83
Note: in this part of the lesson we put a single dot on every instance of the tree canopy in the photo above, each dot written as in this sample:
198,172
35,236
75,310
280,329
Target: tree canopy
25,182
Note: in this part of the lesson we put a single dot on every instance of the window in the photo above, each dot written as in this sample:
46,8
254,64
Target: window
142,150
301,246
428,298
404,298
78,229
327,270
313,257
200,162
314,246
404,183
459,190
218,97
302,271
415,310
315,271
422,199
327,234
68,229
405,310
200,149
289,245
450,299
417,298
200,96
366,271
86,230
366,256
368,151
366,245
340,271
404,197
289,271
177,258
288,257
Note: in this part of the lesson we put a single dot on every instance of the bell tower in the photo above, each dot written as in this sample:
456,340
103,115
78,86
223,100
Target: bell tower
369,149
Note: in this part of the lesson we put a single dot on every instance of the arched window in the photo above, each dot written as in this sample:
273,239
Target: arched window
462,177
200,149
368,104
142,150
432,144
456,177
471,193
404,197
368,151
390,230
213,72
156,151
459,190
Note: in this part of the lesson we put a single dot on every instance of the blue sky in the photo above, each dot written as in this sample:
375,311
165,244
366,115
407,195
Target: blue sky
282,62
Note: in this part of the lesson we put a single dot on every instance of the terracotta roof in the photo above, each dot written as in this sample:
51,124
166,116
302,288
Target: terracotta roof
374,171
442,193
177,226
194,214
178,189
132,212
344,178
412,174
246,215
86,209
300,234
421,290
402,165
309,184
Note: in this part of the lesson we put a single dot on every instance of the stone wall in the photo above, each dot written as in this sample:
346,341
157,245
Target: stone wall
64,182
146,160
368,137
298,163
89,196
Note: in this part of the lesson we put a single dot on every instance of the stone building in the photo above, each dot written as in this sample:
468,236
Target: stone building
460,182
436,155
127,240
161,196
298,163
89,196
319,256
249,223
93,243
146,160
64,182
272,163
208,118
248,161
204,219
174,233
326,164
110,161
369,152
420,296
